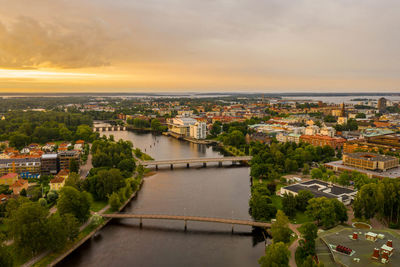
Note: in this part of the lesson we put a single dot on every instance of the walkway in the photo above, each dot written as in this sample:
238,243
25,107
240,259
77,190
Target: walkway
186,218
293,247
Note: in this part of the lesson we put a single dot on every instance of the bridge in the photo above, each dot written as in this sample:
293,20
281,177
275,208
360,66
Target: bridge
186,219
105,128
172,162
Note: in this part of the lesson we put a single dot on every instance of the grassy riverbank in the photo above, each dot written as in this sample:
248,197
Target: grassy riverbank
87,232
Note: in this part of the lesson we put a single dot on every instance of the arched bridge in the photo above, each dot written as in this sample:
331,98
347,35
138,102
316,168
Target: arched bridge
186,219
172,162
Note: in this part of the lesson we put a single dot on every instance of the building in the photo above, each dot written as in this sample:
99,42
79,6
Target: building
285,137
20,165
321,189
320,140
311,130
328,131
181,126
18,186
58,182
50,165
198,130
382,102
342,120
9,179
65,158
370,161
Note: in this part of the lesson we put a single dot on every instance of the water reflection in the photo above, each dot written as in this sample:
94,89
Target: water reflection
212,192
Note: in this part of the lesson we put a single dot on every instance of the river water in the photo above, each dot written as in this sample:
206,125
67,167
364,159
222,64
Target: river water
212,192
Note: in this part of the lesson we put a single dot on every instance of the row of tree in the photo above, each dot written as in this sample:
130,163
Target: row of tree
381,198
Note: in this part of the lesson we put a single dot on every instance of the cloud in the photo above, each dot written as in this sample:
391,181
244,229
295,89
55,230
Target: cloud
28,44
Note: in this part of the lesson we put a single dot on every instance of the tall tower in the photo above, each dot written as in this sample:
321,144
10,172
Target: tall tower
342,110
382,104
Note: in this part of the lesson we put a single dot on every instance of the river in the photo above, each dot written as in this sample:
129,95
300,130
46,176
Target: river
212,191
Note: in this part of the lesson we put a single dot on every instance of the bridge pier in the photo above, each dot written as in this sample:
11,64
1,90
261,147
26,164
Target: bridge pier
156,167
232,228
204,164
172,166
187,165
220,164
140,223
185,225
233,162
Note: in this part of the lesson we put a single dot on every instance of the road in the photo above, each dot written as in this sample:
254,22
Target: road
84,169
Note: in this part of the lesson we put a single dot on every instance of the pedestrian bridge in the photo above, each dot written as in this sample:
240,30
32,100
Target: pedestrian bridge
186,219
172,162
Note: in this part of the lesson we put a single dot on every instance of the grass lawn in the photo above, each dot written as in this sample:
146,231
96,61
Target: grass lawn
301,218
276,201
98,205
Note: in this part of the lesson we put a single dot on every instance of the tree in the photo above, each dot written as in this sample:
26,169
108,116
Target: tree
52,196
302,198
74,202
19,140
289,205
155,125
306,169
216,128
27,226
23,192
235,138
43,202
73,180
104,183
84,132
316,173
58,235
127,165
73,165
280,228
114,201
309,232
261,207
310,262
72,225
344,179
6,259
276,255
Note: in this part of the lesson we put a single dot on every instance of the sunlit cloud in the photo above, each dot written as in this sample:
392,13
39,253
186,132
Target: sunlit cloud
270,45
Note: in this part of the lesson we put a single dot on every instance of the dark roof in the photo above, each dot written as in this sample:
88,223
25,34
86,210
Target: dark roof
370,156
297,187
317,191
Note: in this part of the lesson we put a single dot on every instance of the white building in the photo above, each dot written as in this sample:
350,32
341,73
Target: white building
312,130
198,130
328,131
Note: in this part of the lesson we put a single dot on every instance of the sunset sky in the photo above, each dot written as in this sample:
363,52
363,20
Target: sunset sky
199,45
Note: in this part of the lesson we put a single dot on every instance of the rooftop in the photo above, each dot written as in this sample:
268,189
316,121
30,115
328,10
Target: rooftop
370,156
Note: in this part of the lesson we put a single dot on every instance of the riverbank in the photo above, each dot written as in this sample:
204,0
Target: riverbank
53,258
192,140
142,130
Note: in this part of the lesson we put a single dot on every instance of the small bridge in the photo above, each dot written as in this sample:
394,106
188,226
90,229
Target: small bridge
108,128
186,219
172,162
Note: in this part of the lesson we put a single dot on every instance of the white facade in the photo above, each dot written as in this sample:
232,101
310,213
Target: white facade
312,130
198,130
328,131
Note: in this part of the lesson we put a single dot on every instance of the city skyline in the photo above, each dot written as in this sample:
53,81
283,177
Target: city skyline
164,46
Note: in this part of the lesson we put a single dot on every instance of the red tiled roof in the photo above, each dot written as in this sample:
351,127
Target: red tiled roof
9,175
57,179
19,183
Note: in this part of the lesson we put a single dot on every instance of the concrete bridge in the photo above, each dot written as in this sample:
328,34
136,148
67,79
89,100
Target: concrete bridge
173,162
108,128
186,219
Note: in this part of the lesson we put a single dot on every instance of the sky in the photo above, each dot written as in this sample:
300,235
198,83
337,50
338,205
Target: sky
208,45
